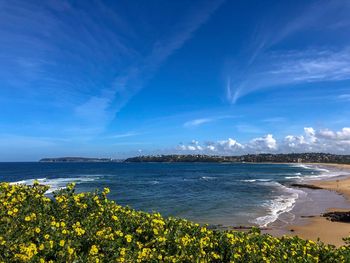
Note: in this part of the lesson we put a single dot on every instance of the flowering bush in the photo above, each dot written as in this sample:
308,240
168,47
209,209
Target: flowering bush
87,227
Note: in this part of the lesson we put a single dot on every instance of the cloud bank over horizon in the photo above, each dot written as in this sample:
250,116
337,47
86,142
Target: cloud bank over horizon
311,140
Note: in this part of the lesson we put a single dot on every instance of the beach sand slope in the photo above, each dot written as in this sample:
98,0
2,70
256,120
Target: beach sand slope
319,227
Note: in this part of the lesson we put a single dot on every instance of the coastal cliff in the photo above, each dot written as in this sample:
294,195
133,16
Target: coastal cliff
77,160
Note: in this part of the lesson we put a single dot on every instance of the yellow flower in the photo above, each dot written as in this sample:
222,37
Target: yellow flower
47,236
27,218
80,231
93,250
27,252
161,239
37,230
2,241
216,256
119,233
41,247
70,250
62,243
128,238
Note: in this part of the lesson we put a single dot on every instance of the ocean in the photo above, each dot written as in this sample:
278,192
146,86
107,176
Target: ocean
212,193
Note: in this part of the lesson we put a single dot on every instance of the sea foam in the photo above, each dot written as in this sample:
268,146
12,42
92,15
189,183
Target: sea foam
57,183
280,204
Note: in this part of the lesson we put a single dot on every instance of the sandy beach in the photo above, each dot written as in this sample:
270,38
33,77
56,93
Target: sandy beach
319,227
340,185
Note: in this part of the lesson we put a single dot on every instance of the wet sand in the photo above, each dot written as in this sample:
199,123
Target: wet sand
340,185
327,231
314,226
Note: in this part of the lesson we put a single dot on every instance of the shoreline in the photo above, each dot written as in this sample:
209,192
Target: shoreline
303,219
314,226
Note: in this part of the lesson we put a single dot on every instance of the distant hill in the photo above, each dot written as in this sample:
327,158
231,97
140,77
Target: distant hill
78,160
256,158
249,158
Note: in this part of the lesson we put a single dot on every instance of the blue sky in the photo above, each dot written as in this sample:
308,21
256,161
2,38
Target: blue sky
120,78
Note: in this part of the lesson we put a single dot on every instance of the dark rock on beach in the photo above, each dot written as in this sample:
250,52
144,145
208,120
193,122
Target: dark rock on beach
309,186
338,216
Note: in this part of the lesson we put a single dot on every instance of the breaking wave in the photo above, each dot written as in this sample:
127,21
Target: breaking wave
57,183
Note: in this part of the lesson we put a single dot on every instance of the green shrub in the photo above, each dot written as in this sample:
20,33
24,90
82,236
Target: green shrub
87,227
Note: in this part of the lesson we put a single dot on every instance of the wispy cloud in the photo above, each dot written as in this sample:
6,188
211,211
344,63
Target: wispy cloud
26,141
129,83
312,66
201,121
285,69
266,68
88,59
274,120
125,135
344,97
197,122
48,44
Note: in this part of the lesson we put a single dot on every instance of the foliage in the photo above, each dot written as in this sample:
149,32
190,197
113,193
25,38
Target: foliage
255,158
87,227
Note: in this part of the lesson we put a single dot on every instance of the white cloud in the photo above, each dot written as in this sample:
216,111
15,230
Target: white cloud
345,97
130,82
304,142
197,122
264,68
192,146
266,143
124,135
211,148
293,141
311,141
277,70
229,145
274,120
310,134
315,65
342,135
323,141
200,121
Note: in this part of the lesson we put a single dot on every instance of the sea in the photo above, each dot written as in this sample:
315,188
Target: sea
222,194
